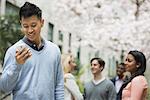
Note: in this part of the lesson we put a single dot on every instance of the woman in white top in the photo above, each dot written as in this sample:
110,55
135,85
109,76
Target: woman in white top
72,91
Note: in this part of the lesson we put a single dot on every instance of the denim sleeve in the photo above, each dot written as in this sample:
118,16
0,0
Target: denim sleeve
10,73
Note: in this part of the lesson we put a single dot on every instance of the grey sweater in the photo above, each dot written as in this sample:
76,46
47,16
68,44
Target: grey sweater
105,90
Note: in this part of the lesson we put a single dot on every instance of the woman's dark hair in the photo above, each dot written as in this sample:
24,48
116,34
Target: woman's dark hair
141,60
28,10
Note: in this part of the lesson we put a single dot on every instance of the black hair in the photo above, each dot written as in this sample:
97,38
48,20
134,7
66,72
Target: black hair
121,64
141,60
100,61
29,9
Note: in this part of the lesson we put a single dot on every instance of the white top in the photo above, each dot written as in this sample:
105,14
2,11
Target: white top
118,84
99,81
71,88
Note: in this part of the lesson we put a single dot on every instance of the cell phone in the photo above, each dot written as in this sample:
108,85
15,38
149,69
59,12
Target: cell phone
21,47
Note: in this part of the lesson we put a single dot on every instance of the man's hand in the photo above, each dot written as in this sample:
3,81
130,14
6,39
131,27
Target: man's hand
22,54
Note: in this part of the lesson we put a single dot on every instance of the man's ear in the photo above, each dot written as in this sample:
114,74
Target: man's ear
20,22
42,22
101,68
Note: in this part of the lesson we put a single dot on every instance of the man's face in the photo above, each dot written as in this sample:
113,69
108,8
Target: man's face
95,67
120,70
31,27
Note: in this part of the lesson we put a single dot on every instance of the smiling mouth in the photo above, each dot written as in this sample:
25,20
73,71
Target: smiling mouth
31,34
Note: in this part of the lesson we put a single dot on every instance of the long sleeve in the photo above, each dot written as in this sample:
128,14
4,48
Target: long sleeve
59,90
112,92
10,73
72,86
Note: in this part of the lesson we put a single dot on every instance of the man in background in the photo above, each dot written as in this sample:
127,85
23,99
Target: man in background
119,78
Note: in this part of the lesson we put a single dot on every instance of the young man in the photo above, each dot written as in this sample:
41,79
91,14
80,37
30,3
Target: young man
99,88
32,66
118,80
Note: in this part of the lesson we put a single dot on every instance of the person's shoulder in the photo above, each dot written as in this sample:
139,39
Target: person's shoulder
108,82
69,76
51,44
140,79
87,83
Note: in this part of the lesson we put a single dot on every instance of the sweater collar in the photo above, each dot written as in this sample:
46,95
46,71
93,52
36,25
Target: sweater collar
33,45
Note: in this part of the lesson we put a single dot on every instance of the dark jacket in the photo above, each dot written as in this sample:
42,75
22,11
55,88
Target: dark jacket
120,92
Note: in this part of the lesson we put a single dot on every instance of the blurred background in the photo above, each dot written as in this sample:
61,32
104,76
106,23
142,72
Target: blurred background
85,28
